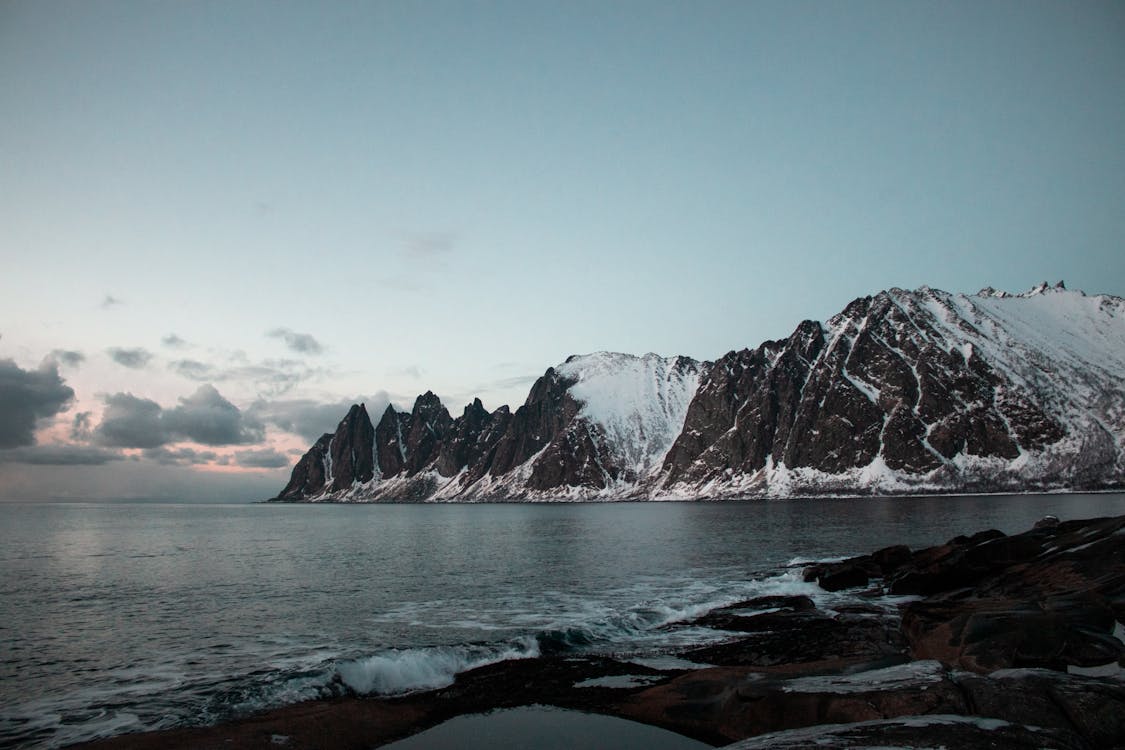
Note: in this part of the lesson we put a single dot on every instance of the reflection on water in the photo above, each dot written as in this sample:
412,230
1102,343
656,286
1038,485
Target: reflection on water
542,728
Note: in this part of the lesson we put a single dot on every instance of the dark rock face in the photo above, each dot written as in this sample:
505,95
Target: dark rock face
901,392
309,476
430,423
542,417
390,442
886,384
352,450
478,443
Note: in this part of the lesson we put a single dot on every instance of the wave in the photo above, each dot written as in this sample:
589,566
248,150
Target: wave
651,617
653,626
413,669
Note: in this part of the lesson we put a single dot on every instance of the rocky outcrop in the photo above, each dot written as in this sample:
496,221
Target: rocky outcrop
902,392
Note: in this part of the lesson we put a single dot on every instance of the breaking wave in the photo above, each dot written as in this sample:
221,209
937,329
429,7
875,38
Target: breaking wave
412,669
654,626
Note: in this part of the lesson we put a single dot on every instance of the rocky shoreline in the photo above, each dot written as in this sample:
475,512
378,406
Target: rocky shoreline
985,641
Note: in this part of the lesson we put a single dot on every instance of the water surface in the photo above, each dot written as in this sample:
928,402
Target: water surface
122,617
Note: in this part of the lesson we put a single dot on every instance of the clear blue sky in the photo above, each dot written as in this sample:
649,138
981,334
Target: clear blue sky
277,207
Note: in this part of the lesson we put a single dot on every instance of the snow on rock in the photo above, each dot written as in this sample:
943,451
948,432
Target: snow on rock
902,392
639,403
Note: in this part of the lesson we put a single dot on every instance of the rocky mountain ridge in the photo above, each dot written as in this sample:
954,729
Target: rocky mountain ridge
902,392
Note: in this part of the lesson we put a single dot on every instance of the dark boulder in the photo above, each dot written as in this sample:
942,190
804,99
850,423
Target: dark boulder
840,577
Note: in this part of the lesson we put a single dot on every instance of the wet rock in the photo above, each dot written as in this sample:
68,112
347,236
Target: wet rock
1047,522
802,638
890,559
964,733
840,577
1092,708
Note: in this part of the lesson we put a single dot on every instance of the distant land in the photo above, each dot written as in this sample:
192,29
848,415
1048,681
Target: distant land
903,392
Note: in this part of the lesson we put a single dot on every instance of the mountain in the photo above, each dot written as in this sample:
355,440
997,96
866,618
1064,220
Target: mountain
902,392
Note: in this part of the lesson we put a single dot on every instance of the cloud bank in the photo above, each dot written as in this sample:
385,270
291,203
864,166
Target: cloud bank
204,417
27,396
310,419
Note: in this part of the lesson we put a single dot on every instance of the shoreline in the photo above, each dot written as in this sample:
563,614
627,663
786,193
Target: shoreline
704,499
991,626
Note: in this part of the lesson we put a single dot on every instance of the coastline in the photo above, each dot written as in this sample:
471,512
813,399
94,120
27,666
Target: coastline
563,500
984,628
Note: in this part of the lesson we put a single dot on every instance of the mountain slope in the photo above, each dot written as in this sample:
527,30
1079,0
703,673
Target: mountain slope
904,391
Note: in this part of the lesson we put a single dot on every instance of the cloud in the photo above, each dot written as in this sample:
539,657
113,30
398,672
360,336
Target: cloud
134,359
310,419
203,417
428,245
173,341
512,382
180,456
302,343
267,458
193,369
131,422
80,428
110,301
66,357
60,455
26,396
208,418
272,377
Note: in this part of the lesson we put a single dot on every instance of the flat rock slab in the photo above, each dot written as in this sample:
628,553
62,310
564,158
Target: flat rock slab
919,733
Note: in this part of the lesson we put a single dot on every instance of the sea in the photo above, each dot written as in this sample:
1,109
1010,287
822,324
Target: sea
123,617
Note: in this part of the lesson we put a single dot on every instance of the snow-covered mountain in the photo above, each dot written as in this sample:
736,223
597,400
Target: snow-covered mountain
902,392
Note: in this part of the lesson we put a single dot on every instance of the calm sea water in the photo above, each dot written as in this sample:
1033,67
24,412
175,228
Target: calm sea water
122,617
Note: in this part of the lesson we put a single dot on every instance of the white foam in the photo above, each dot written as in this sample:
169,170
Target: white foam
409,670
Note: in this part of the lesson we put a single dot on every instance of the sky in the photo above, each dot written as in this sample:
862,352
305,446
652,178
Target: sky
221,223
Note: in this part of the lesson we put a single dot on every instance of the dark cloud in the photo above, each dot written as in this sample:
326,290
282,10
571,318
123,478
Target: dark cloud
66,357
208,418
26,396
110,301
180,456
267,458
203,417
303,343
60,455
173,341
310,419
134,359
131,422
80,428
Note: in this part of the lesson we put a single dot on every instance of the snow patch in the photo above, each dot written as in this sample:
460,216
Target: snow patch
639,403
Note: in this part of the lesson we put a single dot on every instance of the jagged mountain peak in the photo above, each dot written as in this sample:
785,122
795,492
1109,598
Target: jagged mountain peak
902,391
